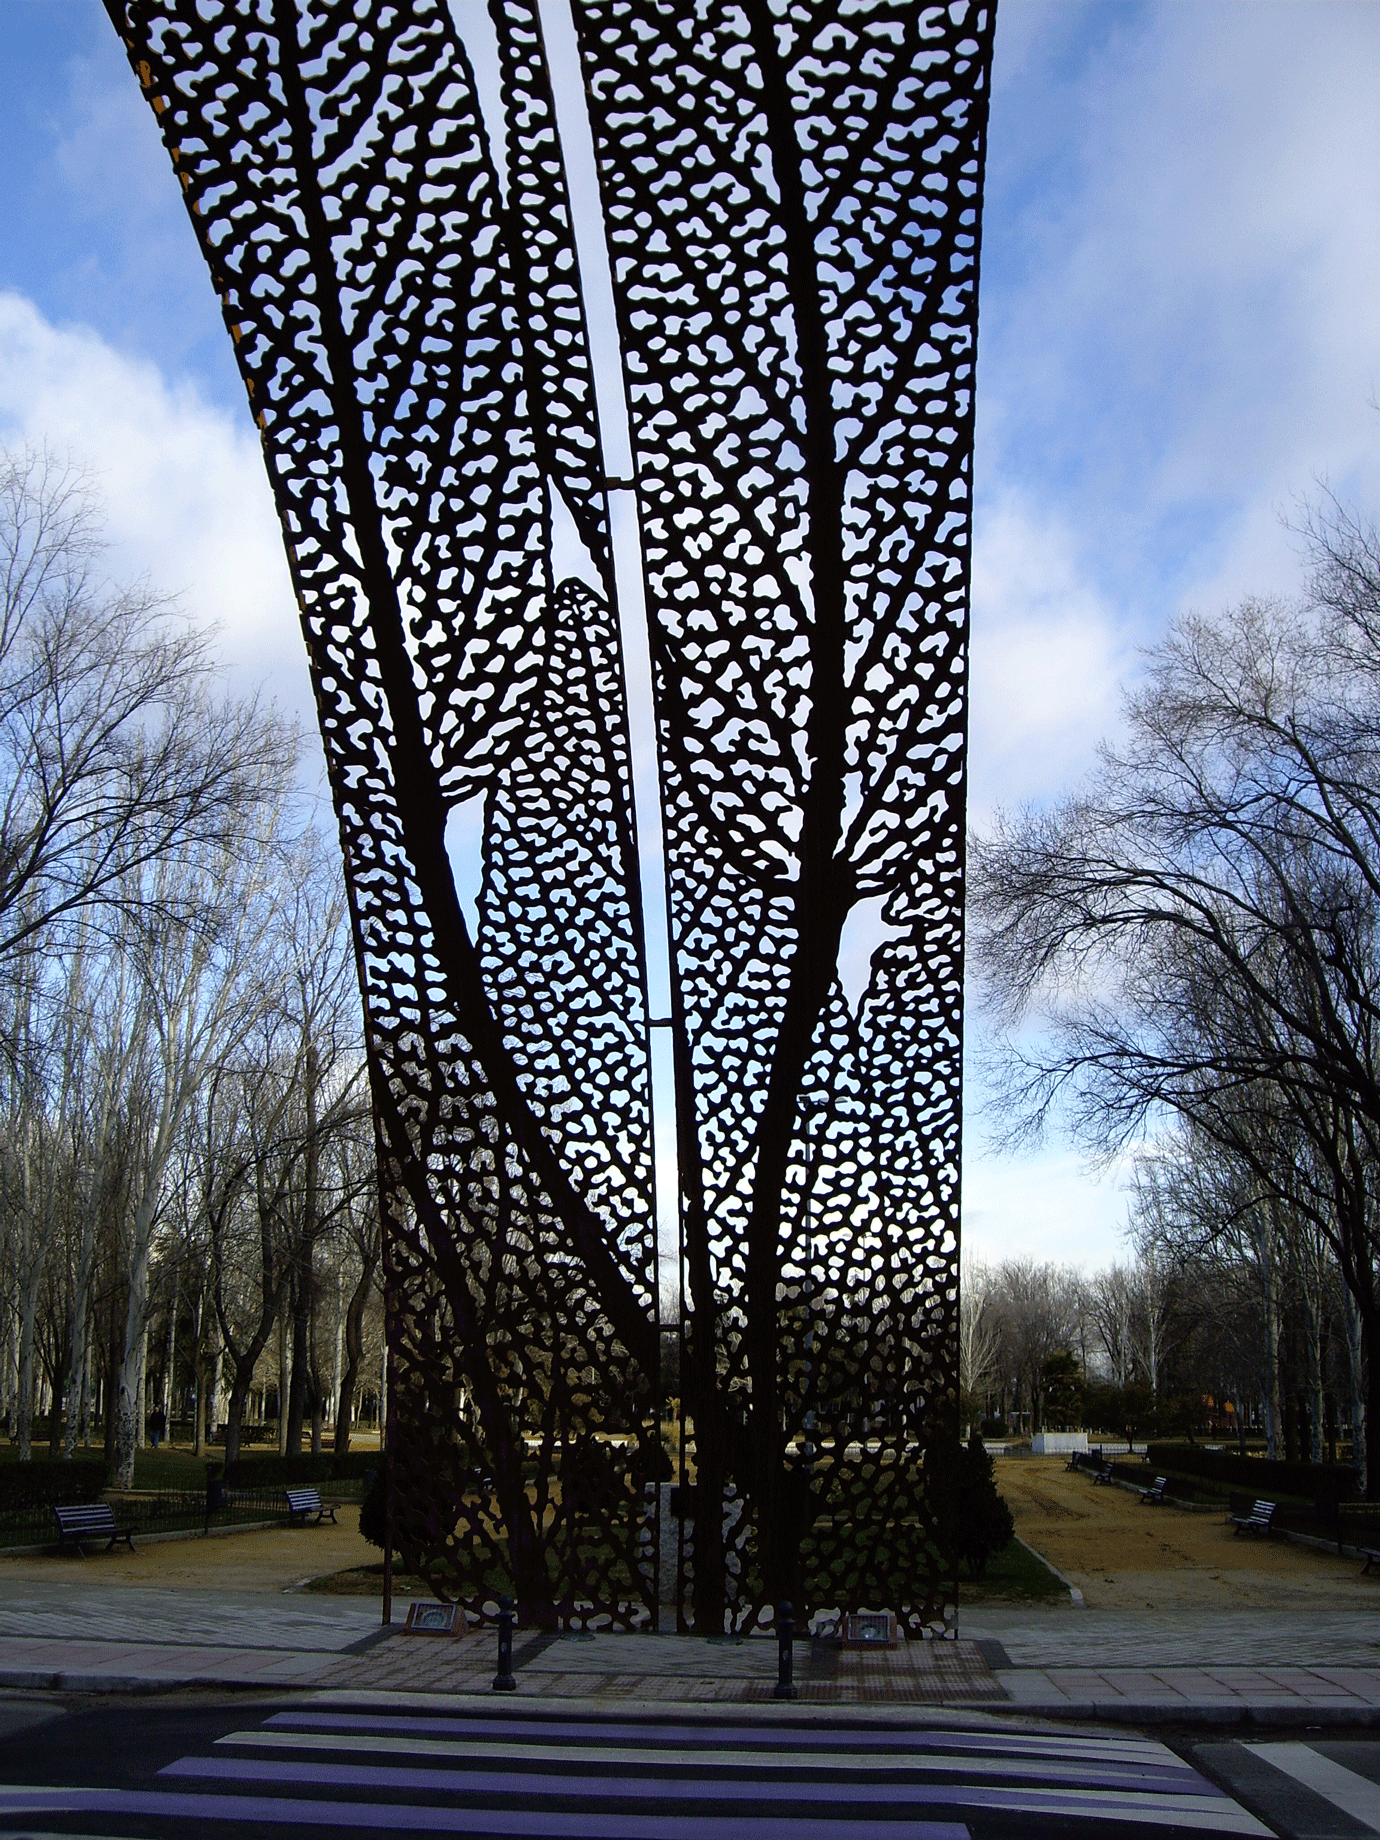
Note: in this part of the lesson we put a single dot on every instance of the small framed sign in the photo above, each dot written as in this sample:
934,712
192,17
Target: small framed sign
436,1620
870,1629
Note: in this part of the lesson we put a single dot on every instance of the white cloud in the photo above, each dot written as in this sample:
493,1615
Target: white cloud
1045,1206
1047,660
186,498
1180,269
1183,255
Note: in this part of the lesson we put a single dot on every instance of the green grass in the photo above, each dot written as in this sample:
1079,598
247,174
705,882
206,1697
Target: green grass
153,1469
1015,1574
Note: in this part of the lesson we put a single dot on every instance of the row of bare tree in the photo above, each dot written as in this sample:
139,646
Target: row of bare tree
181,1073
1239,1339
1185,953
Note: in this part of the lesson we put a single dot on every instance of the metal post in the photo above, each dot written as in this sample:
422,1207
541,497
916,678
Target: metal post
785,1687
503,1679
386,1452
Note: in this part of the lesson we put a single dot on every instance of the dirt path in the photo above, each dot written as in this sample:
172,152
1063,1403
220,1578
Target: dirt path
270,1561
1124,1556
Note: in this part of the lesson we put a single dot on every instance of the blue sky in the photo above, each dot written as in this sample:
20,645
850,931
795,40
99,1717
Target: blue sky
1180,336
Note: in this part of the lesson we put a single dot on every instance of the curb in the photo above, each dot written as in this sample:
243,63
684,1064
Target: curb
58,1680
1202,1712
1075,1595
1214,1713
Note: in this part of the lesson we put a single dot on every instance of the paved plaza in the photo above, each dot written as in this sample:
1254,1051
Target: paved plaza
78,1634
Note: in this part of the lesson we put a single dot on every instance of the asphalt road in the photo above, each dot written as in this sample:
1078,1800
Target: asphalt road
151,1767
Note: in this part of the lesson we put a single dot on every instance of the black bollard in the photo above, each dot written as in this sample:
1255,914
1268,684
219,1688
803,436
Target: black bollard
785,1687
503,1679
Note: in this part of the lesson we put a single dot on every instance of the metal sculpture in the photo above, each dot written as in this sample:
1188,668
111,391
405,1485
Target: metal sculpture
791,197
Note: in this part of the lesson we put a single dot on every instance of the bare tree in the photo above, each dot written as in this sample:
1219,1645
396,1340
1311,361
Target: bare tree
204,960
117,751
1198,927
979,1337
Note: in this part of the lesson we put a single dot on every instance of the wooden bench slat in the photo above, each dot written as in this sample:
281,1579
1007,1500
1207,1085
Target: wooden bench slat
302,1502
93,1520
1259,1520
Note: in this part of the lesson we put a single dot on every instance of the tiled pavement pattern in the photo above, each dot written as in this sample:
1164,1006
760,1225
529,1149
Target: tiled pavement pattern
1124,1666
1130,1665
1140,1695
645,1667
1067,1637
84,1635
325,1768
143,1613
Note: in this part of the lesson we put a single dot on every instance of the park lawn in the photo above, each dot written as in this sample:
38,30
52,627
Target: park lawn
1014,1575
170,1467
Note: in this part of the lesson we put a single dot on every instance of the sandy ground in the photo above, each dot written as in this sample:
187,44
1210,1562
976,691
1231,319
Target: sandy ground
271,1561
1125,1556
1122,1556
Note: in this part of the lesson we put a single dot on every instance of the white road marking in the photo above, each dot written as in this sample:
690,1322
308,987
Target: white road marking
1354,1795
679,1757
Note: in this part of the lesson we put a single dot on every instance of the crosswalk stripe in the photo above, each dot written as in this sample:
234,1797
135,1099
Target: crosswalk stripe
691,1738
525,1824
1166,1774
545,1778
1355,1795
1215,1816
620,1788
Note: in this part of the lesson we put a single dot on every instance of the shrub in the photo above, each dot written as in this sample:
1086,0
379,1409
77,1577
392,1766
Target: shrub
49,1485
272,1471
1308,1481
1062,1389
971,1517
371,1510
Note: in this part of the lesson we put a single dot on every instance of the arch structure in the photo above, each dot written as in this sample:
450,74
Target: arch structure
788,204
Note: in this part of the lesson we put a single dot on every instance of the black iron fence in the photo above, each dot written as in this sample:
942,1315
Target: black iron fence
175,1510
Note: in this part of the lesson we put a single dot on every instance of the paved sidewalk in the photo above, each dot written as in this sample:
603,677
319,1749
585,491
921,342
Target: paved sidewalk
83,1637
1137,1669
1150,1667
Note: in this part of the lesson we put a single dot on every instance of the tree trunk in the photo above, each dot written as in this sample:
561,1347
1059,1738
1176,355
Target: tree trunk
1272,1399
354,1352
282,1377
241,1385
169,1375
25,1411
199,1378
141,1406
1351,1318
213,1373
81,1317
86,1387
58,1391
112,1379
1314,1345
301,1361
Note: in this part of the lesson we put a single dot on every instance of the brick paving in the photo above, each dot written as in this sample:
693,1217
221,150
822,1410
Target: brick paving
667,1668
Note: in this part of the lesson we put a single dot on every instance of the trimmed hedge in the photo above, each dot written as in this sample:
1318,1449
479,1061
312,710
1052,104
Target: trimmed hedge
50,1485
1309,1481
303,1470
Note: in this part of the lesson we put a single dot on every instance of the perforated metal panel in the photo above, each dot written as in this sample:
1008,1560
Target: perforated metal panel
791,196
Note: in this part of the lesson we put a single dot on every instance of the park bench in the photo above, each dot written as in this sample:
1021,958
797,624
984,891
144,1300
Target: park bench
1259,1520
1157,1491
1371,1555
304,1502
92,1520
1103,1473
